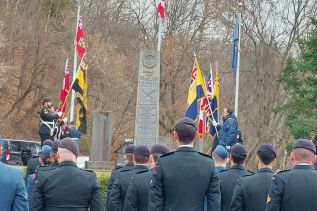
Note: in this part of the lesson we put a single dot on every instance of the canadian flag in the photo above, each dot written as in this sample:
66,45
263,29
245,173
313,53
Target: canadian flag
80,42
65,89
161,8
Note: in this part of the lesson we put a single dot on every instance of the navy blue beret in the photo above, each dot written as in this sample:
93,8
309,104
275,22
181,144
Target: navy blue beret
221,152
159,149
186,121
266,150
239,151
305,144
142,150
130,148
69,144
48,142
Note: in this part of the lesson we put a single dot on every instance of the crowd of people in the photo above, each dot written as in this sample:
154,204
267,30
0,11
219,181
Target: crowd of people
154,179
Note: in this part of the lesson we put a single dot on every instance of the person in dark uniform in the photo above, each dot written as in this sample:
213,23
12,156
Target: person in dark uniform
229,177
296,189
66,187
221,158
138,191
121,184
157,151
128,157
47,120
183,178
36,161
251,191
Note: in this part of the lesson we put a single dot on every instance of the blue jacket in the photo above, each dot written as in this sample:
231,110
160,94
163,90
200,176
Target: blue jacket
12,189
227,131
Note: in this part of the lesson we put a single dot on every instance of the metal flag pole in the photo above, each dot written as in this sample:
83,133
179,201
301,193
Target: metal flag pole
71,117
159,41
236,101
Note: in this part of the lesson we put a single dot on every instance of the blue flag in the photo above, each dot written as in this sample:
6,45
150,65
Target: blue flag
235,49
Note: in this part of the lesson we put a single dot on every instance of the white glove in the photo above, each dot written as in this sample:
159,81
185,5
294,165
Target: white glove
214,123
65,120
59,113
228,147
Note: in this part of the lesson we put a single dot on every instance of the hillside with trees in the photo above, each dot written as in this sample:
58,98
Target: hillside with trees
37,35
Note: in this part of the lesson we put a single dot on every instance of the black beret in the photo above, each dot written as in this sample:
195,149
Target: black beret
159,149
142,150
71,145
129,148
186,121
305,144
55,147
239,151
266,150
48,142
46,99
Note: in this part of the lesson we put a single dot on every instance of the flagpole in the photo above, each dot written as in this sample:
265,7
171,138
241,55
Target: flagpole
71,118
236,101
159,41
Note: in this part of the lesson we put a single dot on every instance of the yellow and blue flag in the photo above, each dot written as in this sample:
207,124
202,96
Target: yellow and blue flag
196,92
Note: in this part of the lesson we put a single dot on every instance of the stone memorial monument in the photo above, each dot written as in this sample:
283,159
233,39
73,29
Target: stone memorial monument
147,110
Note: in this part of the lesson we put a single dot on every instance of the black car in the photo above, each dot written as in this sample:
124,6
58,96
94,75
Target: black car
18,151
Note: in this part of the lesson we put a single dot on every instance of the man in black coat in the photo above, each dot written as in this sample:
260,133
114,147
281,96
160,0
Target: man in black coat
138,191
296,189
251,191
185,177
66,187
47,119
128,157
229,177
121,184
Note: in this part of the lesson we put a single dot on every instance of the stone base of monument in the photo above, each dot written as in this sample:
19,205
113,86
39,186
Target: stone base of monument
99,165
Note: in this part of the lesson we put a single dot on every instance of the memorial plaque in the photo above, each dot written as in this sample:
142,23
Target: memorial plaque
147,110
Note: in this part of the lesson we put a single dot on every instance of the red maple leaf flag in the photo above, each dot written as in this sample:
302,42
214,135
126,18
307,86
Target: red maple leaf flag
64,90
80,42
161,8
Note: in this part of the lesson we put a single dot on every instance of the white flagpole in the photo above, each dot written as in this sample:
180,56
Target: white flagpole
159,41
236,101
71,118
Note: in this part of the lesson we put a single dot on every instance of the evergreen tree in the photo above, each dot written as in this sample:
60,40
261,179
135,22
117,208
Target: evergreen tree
299,78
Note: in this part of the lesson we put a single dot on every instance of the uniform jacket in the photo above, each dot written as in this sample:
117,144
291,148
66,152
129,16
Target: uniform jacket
294,190
228,181
113,176
66,187
138,192
120,187
251,191
32,165
227,131
13,195
182,180
47,117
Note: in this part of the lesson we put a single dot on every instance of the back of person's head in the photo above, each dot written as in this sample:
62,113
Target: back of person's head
158,150
141,154
229,110
129,150
67,150
304,151
45,154
186,130
220,155
238,154
266,153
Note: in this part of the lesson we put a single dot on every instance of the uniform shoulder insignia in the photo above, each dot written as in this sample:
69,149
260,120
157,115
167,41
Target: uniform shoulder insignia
166,154
141,172
281,172
125,170
87,170
251,172
46,168
118,167
203,154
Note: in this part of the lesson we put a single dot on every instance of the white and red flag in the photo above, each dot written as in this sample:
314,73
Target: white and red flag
65,89
161,9
80,42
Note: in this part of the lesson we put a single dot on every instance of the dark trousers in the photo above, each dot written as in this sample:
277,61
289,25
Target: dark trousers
44,137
